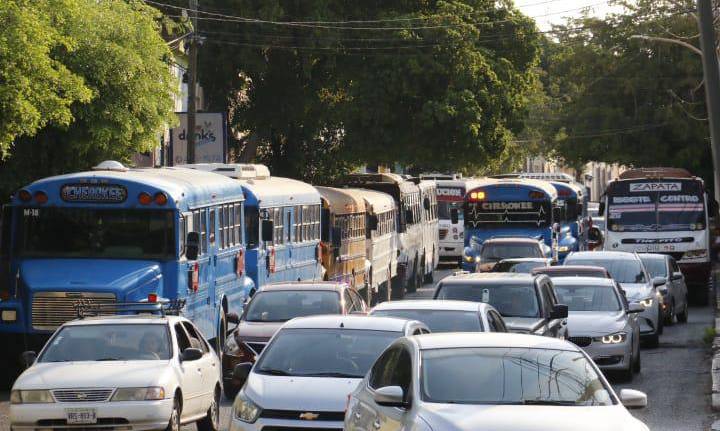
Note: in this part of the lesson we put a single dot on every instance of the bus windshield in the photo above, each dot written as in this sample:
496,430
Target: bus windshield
648,206
445,207
96,233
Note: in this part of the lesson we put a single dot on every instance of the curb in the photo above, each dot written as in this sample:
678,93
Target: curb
715,365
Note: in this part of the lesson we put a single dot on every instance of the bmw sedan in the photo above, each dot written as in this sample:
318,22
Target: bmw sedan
601,323
500,382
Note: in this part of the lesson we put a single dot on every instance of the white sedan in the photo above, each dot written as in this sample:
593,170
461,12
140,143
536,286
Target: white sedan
445,315
502,382
142,372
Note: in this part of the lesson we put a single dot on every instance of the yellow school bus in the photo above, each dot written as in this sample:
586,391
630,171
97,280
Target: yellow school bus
343,236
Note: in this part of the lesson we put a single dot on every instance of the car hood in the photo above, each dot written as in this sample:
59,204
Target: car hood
318,393
523,324
456,417
596,323
85,374
258,330
636,291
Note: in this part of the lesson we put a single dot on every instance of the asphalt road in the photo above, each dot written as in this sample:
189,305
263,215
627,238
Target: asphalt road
676,376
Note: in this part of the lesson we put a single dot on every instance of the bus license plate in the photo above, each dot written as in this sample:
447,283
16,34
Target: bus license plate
81,416
660,248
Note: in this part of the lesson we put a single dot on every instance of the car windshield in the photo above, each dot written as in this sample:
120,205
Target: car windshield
509,300
497,252
96,233
324,352
283,305
439,320
588,298
116,342
511,376
655,266
518,267
623,271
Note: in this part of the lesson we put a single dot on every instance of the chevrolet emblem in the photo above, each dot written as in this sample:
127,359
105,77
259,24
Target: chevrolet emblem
308,416
81,395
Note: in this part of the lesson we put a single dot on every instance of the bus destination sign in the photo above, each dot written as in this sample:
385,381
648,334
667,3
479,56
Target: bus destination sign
98,193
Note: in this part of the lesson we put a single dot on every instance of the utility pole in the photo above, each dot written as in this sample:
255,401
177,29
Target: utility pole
192,83
712,82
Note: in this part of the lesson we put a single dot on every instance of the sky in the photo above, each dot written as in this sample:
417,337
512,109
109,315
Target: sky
549,12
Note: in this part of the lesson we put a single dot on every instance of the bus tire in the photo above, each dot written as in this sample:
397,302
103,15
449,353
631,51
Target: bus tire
413,281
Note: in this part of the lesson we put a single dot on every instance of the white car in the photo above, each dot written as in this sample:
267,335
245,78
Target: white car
445,315
138,372
303,377
500,382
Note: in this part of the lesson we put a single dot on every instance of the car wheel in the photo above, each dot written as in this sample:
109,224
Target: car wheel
211,421
683,316
174,422
670,318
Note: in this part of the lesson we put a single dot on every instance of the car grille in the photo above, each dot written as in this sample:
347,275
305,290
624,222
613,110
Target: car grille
52,309
81,395
581,341
256,347
443,233
295,415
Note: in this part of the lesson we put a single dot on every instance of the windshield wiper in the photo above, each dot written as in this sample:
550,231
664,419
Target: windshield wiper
273,372
107,359
548,403
332,374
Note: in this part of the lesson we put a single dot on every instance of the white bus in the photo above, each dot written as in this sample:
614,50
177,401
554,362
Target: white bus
661,210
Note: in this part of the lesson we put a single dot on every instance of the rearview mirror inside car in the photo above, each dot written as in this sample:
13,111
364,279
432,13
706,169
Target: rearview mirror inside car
633,399
390,396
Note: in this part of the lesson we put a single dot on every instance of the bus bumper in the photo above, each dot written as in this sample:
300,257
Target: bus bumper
696,274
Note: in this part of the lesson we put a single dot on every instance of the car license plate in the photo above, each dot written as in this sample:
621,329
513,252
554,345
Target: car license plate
80,416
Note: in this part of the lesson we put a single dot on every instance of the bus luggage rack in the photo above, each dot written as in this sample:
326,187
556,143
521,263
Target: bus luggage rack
164,308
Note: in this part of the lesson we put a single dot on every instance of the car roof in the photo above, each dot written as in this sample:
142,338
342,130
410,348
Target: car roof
490,277
304,285
144,318
429,304
392,324
519,239
562,269
490,339
585,281
527,259
594,255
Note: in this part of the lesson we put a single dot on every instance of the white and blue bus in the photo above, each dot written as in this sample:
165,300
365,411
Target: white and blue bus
115,234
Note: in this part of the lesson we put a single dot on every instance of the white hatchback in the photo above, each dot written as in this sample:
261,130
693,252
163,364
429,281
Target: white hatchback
143,372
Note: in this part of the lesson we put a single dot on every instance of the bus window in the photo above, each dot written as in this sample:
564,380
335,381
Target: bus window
211,215
289,225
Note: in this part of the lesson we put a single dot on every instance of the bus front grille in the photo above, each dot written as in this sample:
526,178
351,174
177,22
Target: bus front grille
52,309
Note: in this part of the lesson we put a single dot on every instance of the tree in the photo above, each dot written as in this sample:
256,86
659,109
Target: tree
627,100
103,73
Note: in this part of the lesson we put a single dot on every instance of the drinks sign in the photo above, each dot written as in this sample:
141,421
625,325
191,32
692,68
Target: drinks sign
97,193
210,142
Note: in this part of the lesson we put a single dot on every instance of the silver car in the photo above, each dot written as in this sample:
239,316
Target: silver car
602,323
674,291
499,382
628,270
445,315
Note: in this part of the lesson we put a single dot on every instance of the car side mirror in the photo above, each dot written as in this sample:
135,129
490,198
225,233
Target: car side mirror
28,358
232,318
390,396
268,230
191,354
635,308
241,372
633,399
560,311
192,245
454,216
677,276
658,281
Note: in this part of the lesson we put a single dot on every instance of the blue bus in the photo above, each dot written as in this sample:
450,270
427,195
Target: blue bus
508,207
282,224
572,209
115,234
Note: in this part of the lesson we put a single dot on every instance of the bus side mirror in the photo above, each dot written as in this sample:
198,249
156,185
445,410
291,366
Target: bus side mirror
192,245
426,204
454,216
268,230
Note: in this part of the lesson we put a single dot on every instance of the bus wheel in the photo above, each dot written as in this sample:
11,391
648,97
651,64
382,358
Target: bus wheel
221,334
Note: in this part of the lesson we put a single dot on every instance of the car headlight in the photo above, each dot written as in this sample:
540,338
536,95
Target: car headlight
244,409
616,338
139,394
647,302
31,397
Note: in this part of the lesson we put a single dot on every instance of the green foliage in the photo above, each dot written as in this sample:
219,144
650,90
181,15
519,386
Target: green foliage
616,98
93,83
318,100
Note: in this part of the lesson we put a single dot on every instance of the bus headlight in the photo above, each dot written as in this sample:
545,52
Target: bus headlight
563,249
31,397
616,338
694,254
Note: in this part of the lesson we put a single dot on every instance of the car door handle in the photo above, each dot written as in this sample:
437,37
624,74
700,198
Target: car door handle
377,424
